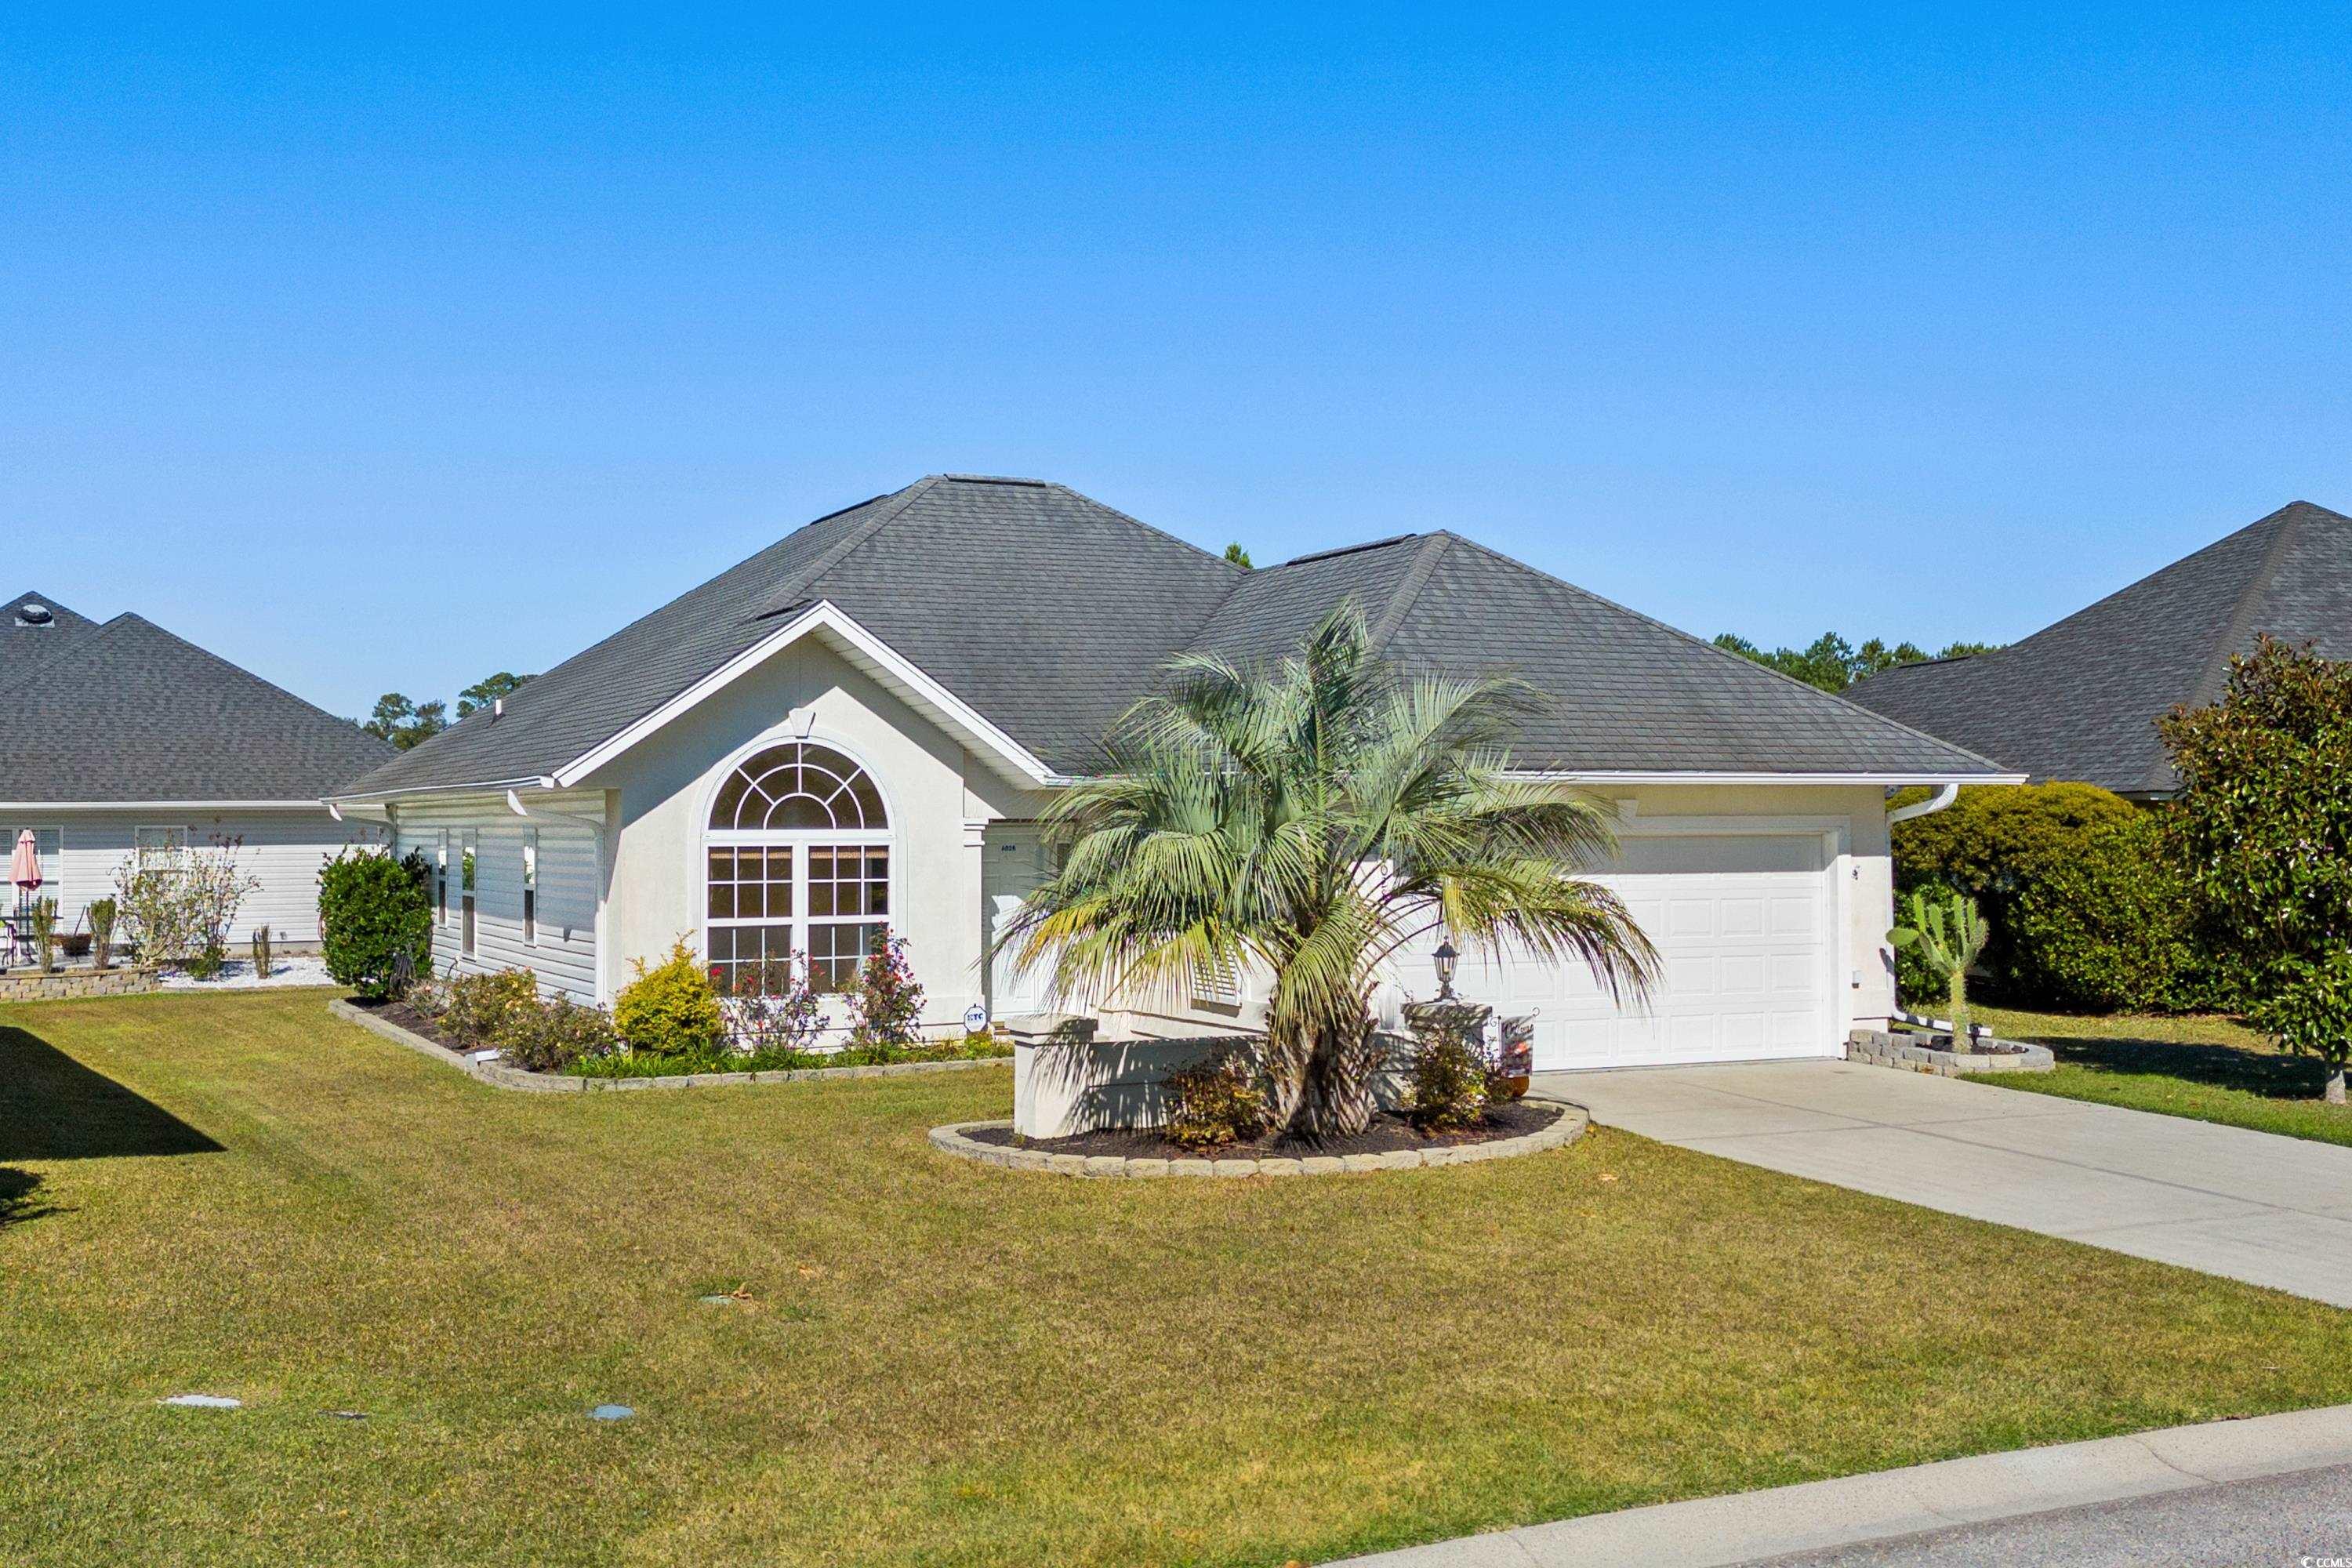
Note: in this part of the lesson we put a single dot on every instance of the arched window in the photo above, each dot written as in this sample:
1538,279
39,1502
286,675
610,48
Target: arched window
798,851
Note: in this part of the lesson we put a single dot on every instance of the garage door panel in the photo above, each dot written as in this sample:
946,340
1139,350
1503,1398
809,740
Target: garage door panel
1740,926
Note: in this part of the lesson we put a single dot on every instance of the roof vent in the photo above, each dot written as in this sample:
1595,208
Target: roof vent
498,709
33,613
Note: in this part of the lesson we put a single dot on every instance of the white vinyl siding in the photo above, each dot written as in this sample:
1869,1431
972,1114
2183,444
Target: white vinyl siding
563,955
283,849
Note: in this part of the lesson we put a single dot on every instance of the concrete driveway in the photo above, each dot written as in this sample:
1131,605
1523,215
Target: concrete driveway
2250,1205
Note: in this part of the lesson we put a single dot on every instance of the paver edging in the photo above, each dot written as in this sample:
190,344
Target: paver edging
502,1077
955,1139
1906,1053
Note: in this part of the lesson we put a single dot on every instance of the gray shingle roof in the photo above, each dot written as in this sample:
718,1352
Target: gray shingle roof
34,630
128,711
1050,613
2079,699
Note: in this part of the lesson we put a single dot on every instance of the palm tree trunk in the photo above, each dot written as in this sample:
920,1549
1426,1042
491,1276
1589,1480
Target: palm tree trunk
1336,1099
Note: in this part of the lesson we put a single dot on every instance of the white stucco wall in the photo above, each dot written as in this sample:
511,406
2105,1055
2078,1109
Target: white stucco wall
282,849
940,801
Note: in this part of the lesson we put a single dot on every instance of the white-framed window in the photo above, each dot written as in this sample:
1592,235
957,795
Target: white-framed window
151,839
441,881
796,862
468,853
530,887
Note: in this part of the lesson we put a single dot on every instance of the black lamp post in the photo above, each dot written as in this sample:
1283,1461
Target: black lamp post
1446,959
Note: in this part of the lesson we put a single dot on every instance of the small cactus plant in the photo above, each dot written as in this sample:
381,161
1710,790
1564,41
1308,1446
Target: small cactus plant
1948,934
100,915
45,932
261,953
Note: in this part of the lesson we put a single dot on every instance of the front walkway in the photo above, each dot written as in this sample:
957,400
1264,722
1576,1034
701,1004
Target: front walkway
2250,1205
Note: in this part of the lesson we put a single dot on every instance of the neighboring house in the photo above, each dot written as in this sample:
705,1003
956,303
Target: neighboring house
117,736
862,723
2079,699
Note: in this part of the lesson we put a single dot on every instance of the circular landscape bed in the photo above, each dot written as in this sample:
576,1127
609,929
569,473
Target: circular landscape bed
1523,1127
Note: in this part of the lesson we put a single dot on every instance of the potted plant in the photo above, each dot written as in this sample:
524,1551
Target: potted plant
1948,934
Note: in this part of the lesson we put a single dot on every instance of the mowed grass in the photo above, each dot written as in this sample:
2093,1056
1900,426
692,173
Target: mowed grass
945,1364
2210,1069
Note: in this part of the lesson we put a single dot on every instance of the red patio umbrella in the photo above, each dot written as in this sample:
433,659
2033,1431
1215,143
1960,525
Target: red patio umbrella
25,871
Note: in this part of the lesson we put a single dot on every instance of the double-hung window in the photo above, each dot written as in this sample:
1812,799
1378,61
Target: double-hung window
797,870
468,854
530,887
441,881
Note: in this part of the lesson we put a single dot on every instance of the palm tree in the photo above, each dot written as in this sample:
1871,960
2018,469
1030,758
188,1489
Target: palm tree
1312,819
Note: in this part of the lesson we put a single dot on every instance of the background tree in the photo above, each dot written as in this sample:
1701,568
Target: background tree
2265,825
406,723
1309,821
1238,556
1834,664
488,690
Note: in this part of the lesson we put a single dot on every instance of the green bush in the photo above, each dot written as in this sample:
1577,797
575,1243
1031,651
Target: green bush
373,909
2110,927
1214,1104
479,1004
1451,1080
548,1036
2005,844
671,1009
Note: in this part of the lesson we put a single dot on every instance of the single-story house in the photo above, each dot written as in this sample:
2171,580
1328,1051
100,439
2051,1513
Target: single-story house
118,736
2079,699
862,723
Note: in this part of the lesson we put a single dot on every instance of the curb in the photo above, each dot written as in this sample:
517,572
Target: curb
1815,1516
498,1077
953,1139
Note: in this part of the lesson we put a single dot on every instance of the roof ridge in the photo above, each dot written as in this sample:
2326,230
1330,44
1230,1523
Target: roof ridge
1154,529
1407,589
228,664
777,602
1696,641
2216,673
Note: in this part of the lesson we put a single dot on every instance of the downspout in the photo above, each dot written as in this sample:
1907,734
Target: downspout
1928,807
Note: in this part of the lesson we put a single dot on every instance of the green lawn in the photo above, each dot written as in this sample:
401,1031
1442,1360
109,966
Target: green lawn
942,1362
2210,1069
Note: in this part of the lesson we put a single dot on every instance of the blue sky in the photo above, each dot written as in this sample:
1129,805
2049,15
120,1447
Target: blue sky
385,352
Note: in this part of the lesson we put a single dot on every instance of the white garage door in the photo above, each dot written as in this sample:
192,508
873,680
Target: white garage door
1742,929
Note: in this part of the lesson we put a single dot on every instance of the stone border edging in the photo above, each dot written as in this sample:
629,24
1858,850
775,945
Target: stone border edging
1883,1049
1894,1505
78,982
951,1140
502,1077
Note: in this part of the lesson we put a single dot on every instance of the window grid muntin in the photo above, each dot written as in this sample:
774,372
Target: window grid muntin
822,814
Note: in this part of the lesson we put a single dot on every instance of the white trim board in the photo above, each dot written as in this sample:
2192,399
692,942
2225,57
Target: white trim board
864,649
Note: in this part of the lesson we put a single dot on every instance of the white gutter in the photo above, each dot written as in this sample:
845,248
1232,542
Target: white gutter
1928,807
1700,776
487,786
311,804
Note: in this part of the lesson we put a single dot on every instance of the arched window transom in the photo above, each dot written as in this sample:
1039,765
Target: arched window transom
798,853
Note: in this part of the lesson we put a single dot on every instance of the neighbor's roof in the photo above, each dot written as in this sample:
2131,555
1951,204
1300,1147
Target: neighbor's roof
34,629
1050,613
2079,699
127,712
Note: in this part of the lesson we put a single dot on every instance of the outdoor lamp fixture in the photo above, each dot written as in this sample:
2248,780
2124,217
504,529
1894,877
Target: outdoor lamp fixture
1446,959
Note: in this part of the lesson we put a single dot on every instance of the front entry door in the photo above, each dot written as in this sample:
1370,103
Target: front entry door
1016,864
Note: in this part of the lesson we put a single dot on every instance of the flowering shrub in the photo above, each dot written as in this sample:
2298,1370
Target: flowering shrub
771,1008
548,1036
884,1001
480,1004
179,903
1216,1102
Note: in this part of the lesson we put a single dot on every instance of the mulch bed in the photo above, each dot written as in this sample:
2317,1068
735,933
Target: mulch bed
415,1023
1386,1134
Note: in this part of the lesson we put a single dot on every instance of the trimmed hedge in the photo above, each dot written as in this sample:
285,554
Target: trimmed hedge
373,908
2088,911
